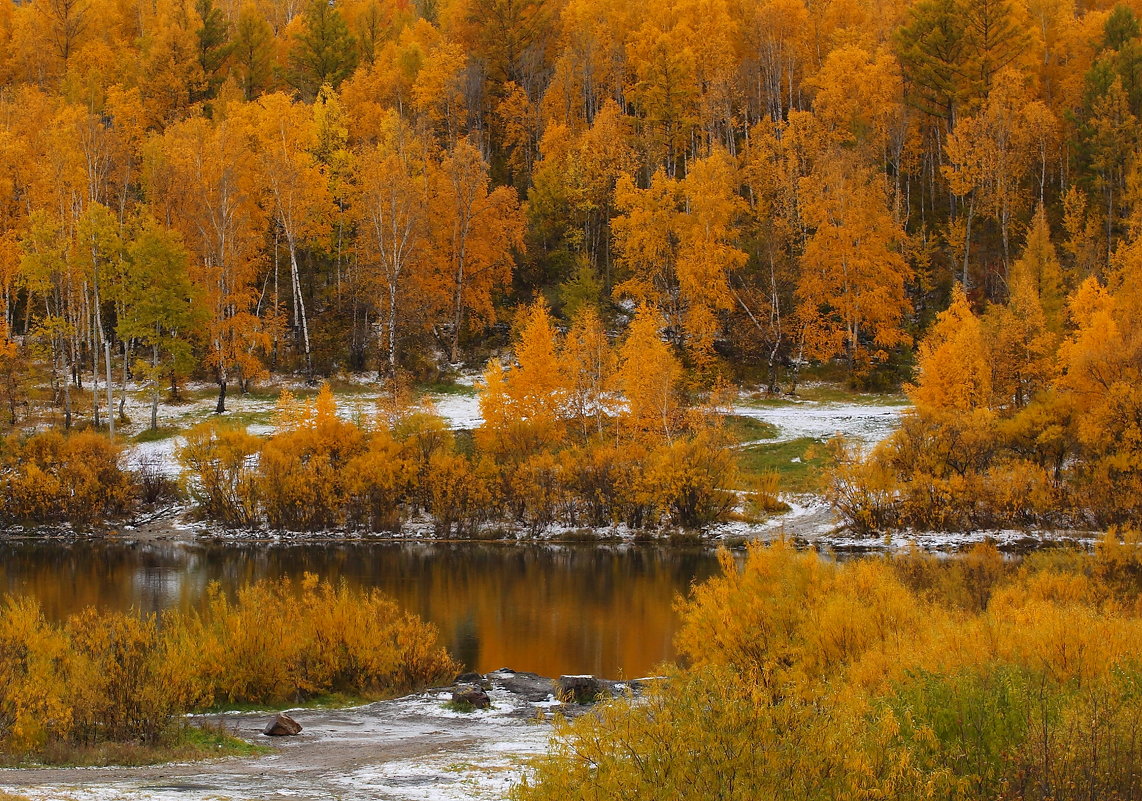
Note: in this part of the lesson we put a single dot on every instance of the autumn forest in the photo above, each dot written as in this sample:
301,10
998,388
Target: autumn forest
222,189
601,282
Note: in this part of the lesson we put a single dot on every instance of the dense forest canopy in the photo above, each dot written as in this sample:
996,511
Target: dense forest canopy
220,189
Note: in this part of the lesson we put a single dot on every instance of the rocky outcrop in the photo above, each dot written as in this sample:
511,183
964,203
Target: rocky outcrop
474,679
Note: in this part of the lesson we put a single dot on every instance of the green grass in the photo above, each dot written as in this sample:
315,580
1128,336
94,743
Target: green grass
830,393
446,388
461,706
804,475
323,701
216,740
183,743
838,393
236,419
156,434
749,429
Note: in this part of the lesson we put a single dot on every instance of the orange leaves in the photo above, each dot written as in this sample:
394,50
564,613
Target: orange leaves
391,208
473,230
851,288
109,677
49,478
642,464
649,376
953,365
204,178
678,240
303,471
524,410
908,677
221,462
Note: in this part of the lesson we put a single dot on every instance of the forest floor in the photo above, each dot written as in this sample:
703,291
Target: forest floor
407,749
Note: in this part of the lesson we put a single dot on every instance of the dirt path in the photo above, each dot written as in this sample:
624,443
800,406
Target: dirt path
400,750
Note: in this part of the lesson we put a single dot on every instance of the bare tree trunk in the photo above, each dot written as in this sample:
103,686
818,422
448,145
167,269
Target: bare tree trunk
967,242
123,385
94,339
392,328
110,389
155,388
300,306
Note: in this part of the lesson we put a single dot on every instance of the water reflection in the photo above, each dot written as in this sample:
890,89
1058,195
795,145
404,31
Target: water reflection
606,610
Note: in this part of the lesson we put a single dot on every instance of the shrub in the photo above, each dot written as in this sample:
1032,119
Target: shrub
689,479
458,496
221,470
110,677
909,678
281,642
380,484
52,478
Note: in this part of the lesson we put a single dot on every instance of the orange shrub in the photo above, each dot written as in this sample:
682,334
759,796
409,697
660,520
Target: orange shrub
221,472
112,677
52,478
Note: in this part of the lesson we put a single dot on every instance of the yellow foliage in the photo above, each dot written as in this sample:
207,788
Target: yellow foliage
110,677
52,478
689,479
970,679
303,480
649,376
953,363
457,493
220,468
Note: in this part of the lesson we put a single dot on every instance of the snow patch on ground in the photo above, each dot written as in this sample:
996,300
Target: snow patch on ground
460,411
867,423
1011,541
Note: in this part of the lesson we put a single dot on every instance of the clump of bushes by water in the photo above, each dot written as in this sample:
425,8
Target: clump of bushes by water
905,678
50,478
320,472
107,677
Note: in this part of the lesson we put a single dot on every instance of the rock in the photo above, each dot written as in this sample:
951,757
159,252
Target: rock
579,689
472,695
475,679
282,726
530,687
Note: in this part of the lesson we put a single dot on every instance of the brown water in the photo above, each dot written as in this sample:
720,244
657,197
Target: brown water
605,610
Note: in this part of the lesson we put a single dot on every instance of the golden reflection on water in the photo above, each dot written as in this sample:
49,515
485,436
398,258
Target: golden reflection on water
606,610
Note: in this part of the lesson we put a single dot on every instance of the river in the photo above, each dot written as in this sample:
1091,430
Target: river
600,609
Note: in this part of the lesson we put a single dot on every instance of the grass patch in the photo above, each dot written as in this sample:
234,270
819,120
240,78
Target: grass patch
156,434
446,388
246,419
800,463
183,743
749,429
838,393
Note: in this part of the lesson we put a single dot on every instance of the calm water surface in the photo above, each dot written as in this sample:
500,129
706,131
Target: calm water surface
606,610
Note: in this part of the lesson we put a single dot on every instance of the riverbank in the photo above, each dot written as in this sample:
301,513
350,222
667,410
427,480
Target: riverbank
406,749
795,431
